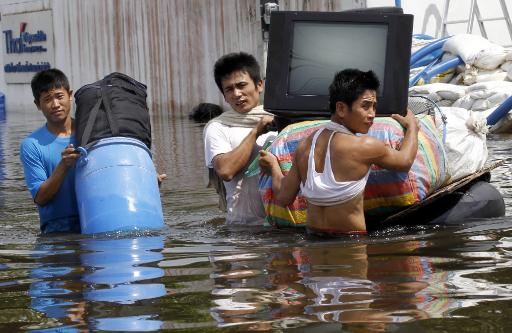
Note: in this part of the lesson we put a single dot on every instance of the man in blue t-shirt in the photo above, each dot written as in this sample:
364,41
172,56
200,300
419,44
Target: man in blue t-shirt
48,155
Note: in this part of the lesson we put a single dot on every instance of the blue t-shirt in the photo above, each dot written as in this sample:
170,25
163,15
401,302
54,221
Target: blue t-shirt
40,153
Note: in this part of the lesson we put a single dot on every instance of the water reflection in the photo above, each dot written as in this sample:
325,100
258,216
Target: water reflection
365,286
115,272
55,289
72,287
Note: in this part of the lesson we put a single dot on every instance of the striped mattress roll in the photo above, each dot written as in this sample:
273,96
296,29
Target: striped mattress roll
386,193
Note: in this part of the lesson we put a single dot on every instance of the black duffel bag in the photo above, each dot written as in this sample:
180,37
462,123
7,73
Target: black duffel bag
113,106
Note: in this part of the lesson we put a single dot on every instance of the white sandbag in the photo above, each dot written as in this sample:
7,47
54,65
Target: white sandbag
465,102
445,102
495,91
498,97
432,96
447,56
443,90
465,145
473,76
480,105
490,85
490,58
450,91
481,93
491,75
508,57
482,99
506,66
470,47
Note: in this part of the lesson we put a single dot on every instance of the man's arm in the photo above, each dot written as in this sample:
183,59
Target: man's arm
285,188
227,165
399,160
51,186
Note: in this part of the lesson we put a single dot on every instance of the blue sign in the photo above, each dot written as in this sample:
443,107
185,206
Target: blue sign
23,43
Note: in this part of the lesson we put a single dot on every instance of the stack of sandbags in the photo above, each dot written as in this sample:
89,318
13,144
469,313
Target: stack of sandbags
443,94
484,60
484,96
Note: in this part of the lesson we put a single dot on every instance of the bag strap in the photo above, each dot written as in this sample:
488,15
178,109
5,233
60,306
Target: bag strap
105,100
114,128
90,123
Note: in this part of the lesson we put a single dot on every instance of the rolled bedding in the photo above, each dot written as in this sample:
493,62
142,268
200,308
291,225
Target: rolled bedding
386,193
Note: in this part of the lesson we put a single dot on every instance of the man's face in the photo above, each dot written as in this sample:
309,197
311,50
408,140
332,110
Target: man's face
359,118
55,105
240,91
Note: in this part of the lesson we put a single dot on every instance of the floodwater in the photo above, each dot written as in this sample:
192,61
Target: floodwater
197,275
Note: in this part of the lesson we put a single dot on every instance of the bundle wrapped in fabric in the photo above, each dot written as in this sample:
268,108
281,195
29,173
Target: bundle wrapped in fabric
284,146
387,192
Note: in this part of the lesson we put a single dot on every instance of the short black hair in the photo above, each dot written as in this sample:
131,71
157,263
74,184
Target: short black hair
46,80
349,84
203,112
232,62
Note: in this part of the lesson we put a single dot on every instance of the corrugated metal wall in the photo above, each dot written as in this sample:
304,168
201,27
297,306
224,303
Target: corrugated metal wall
171,45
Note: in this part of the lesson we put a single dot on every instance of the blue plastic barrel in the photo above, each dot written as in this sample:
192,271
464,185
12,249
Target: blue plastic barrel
117,188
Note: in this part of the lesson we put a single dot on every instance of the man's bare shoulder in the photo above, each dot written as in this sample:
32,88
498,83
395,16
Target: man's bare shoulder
304,145
364,146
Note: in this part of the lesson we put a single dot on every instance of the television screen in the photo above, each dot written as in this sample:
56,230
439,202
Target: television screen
311,71
306,50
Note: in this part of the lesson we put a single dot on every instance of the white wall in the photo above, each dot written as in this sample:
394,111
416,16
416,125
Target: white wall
428,16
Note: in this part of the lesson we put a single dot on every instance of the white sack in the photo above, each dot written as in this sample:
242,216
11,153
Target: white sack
465,102
491,85
508,57
490,58
498,97
495,92
445,102
472,48
480,105
506,66
443,90
474,75
465,145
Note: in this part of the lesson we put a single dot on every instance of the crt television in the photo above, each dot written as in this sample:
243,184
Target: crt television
306,49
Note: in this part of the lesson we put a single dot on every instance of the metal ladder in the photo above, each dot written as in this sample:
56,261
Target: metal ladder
474,12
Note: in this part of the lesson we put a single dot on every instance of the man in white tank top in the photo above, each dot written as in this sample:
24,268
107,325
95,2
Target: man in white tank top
332,165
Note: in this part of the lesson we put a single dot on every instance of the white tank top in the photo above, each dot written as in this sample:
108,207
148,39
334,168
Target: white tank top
322,189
